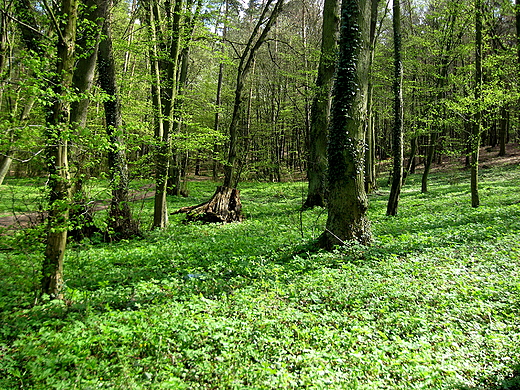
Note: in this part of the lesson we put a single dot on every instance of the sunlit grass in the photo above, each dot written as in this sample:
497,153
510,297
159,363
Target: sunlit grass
432,304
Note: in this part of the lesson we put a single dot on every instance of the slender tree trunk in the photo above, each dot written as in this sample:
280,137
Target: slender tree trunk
320,110
255,41
477,126
502,136
163,95
517,23
121,224
347,201
428,162
6,157
176,184
410,166
218,98
5,165
370,154
153,22
397,177
225,205
57,159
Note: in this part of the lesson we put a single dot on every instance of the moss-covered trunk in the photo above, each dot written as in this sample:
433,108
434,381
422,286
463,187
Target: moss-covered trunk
121,224
347,200
317,164
56,153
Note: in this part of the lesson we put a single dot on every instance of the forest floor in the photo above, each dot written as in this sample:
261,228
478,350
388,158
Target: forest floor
27,219
488,158
433,304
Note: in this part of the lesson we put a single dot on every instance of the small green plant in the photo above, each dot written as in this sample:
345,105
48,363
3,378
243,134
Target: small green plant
432,304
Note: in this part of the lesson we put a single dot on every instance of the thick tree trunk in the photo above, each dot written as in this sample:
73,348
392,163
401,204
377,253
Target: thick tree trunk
397,176
347,201
317,164
121,224
57,159
81,213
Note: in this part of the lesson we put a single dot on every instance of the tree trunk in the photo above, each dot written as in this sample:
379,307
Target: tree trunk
176,185
5,164
218,98
347,201
397,177
428,162
81,213
503,131
410,166
229,212
370,154
121,225
477,126
317,164
247,57
56,157
164,89
223,207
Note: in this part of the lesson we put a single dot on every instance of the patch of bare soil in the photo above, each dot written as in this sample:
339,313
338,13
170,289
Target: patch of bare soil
31,219
488,158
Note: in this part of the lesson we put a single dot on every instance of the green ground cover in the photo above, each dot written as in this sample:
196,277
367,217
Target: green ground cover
433,304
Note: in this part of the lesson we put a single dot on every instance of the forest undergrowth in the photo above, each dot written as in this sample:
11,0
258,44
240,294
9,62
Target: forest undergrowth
434,303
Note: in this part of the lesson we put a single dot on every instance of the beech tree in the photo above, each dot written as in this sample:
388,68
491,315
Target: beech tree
397,171
57,121
474,141
317,164
165,33
347,201
121,223
225,205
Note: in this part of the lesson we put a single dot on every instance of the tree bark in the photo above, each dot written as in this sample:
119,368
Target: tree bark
397,177
164,90
477,125
428,162
121,224
502,135
81,213
223,207
176,186
370,154
320,110
226,199
347,201
56,153
254,42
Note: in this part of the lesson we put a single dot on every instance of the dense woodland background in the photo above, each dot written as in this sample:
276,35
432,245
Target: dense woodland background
438,59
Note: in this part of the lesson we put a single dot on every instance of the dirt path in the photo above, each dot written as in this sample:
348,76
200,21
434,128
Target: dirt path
24,220
488,158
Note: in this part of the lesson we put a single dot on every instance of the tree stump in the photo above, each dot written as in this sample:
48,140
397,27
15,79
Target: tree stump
224,206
